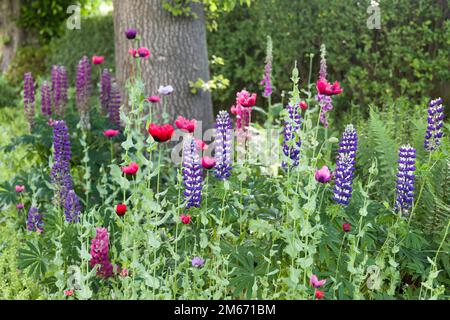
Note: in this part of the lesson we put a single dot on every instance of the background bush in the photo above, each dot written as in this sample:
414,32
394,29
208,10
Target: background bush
8,94
408,56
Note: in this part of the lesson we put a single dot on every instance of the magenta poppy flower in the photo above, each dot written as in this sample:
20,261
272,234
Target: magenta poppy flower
143,52
110,133
208,163
186,125
98,59
153,99
315,282
20,188
323,175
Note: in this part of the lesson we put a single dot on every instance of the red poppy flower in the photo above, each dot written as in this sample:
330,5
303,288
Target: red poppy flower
161,133
319,294
133,53
346,227
121,209
303,105
186,124
185,219
98,59
245,99
208,163
132,168
110,133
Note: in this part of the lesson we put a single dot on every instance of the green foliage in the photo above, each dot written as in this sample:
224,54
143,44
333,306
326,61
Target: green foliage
45,16
27,59
8,93
407,56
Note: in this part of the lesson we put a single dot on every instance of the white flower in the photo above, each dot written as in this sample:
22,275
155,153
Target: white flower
165,90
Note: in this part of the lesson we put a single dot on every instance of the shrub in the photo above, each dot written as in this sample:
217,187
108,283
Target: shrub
8,93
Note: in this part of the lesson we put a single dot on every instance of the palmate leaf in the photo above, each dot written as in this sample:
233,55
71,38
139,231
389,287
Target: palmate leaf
33,257
247,263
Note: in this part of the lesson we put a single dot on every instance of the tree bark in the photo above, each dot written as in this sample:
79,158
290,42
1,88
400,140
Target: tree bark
11,36
178,54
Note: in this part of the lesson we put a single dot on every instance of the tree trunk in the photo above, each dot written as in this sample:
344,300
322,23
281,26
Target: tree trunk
178,54
11,36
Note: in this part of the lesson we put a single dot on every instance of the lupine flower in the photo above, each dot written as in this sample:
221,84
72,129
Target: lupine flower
72,207
161,133
153,99
303,105
208,163
198,262
345,165
20,206
114,106
223,145
132,168
105,90
315,282
185,219
68,292
46,99
435,123
121,209
130,33
192,175
319,294
346,227
143,52
19,188
405,179
100,253
83,87
267,70
185,124
34,221
60,172
165,90
59,90
97,59
291,141
323,175
28,98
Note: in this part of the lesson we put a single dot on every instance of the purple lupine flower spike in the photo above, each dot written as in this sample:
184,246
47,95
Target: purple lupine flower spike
345,165
435,123
105,91
223,145
59,90
405,179
28,98
323,63
34,221
46,99
291,142
192,174
83,89
72,207
100,253
114,106
60,172
267,70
